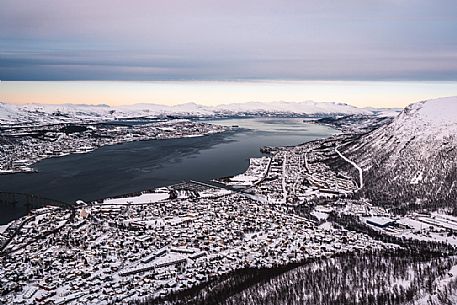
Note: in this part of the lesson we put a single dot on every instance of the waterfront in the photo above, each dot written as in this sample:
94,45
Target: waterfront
137,166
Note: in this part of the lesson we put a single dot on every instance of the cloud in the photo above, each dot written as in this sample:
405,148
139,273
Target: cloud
227,40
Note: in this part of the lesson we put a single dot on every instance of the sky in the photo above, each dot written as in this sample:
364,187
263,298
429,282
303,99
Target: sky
214,50
392,94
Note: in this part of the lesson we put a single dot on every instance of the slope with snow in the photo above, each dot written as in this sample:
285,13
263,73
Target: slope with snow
51,114
67,113
413,160
306,107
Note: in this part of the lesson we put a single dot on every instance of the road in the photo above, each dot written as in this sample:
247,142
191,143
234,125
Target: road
353,164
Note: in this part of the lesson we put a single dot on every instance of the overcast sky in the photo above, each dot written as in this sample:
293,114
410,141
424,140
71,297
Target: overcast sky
228,40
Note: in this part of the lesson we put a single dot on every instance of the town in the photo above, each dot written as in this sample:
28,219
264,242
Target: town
296,175
125,248
173,238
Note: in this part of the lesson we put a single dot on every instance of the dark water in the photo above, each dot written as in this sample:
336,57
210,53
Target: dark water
136,166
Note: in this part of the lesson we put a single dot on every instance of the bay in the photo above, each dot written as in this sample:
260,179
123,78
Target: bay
137,166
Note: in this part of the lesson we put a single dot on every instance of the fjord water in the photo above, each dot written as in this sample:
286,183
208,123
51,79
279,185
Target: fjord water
137,166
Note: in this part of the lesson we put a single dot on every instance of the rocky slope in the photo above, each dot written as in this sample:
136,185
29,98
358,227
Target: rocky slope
412,162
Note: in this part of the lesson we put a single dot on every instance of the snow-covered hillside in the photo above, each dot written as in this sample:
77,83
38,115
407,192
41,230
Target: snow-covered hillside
38,113
306,107
412,160
50,114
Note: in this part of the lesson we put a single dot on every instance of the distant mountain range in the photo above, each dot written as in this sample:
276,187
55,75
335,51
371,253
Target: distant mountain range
413,160
39,113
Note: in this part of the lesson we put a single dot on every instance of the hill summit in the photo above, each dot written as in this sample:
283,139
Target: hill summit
413,160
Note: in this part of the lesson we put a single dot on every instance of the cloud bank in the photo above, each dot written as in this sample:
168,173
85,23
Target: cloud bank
228,40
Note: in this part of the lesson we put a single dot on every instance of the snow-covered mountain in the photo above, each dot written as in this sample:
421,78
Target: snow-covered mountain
412,160
14,114
50,114
186,109
306,107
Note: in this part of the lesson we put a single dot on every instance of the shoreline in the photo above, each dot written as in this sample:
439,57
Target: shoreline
27,165
165,182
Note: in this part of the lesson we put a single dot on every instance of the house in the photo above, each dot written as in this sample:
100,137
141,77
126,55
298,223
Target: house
381,222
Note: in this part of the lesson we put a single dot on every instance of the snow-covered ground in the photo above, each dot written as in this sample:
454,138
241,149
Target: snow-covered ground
256,171
141,199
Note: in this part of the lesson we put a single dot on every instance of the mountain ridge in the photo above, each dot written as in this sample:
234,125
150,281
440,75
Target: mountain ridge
412,161
47,113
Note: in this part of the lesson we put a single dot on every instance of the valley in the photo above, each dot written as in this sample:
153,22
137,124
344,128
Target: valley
293,208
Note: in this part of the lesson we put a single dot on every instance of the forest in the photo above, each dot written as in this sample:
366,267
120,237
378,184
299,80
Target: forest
395,276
